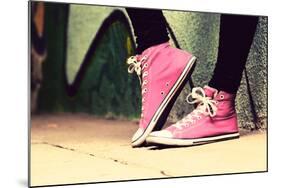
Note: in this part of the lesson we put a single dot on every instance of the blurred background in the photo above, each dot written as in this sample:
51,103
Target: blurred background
78,62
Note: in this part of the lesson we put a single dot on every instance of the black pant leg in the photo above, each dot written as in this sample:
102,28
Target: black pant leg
236,36
149,27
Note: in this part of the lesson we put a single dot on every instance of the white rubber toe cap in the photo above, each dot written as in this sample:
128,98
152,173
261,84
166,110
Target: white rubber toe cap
162,133
137,134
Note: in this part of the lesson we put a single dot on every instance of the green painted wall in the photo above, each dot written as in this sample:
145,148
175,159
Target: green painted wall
107,90
104,87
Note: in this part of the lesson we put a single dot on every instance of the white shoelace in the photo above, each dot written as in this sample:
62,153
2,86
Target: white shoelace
135,66
206,106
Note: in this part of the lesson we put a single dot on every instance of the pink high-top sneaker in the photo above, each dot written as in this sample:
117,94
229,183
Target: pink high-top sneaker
213,119
162,71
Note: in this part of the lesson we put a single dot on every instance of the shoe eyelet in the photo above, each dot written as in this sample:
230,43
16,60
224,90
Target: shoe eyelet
162,92
145,82
221,97
145,73
145,65
167,84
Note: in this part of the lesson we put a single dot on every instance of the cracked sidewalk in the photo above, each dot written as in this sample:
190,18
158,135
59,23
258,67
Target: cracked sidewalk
80,148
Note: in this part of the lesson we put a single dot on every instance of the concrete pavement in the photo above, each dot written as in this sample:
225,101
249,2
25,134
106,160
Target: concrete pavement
80,148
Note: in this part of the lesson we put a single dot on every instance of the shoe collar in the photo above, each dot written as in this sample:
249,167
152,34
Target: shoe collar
218,95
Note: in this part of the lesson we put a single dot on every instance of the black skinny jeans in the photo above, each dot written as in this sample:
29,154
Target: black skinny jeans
235,39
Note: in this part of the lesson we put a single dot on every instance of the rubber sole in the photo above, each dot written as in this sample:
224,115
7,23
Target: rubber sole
159,118
189,142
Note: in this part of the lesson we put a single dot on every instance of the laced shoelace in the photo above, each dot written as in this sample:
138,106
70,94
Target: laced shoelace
206,106
141,71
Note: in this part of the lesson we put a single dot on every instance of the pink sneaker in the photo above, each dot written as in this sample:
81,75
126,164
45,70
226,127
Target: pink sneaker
213,119
162,71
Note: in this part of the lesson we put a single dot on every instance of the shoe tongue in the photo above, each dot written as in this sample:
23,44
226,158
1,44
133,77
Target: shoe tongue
210,92
156,48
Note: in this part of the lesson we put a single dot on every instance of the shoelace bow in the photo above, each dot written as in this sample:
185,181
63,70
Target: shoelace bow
136,66
206,106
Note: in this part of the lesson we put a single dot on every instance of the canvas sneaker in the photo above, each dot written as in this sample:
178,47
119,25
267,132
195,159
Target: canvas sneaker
162,70
213,119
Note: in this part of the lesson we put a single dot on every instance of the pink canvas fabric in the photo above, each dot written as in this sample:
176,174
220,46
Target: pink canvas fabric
215,115
159,68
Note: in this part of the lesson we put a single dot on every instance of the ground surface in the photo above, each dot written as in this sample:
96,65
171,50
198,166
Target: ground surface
81,148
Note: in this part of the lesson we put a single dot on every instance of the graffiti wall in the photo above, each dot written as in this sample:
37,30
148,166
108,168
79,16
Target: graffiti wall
81,66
